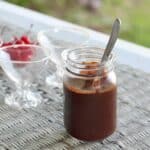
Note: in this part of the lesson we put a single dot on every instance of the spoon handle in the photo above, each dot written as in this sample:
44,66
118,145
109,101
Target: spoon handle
112,39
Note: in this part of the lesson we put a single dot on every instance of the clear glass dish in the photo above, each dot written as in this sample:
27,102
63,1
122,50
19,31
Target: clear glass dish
59,40
24,66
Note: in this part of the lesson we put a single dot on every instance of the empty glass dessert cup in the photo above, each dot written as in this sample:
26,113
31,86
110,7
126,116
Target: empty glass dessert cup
58,40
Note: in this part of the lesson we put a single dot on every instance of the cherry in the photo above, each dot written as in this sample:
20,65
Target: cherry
19,42
25,39
6,44
20,54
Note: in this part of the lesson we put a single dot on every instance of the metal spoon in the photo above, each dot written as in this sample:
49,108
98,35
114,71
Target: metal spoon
112,40
110,44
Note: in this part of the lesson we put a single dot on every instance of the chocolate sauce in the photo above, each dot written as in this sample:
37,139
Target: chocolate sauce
89,110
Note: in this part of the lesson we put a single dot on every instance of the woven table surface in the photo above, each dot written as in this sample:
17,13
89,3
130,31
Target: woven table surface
42,128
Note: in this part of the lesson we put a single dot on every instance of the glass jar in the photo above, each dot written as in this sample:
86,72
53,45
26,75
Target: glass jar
90,92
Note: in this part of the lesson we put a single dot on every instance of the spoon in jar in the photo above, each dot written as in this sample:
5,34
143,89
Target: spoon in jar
112,40
109,47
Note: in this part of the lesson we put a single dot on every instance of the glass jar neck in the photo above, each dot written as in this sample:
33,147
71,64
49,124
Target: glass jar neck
87,62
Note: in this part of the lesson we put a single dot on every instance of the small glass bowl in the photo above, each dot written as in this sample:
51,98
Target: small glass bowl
64,38
56,41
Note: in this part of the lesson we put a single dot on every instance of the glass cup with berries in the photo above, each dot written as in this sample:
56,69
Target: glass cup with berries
23,64
11,36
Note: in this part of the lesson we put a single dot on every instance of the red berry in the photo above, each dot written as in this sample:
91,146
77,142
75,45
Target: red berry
20,54
19,42
25,39
7,44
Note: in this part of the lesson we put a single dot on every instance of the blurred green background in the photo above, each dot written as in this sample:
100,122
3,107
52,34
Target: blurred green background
99,15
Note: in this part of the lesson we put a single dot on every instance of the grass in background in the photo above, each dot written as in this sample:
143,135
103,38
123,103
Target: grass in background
133,13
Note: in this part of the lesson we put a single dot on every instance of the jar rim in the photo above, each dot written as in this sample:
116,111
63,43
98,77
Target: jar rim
75,63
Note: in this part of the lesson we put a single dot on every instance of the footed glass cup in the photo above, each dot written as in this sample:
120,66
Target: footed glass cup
60,40
24,65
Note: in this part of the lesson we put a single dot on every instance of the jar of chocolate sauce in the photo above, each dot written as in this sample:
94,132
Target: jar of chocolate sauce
90,92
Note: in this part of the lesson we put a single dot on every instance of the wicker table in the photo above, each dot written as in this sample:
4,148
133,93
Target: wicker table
42,128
